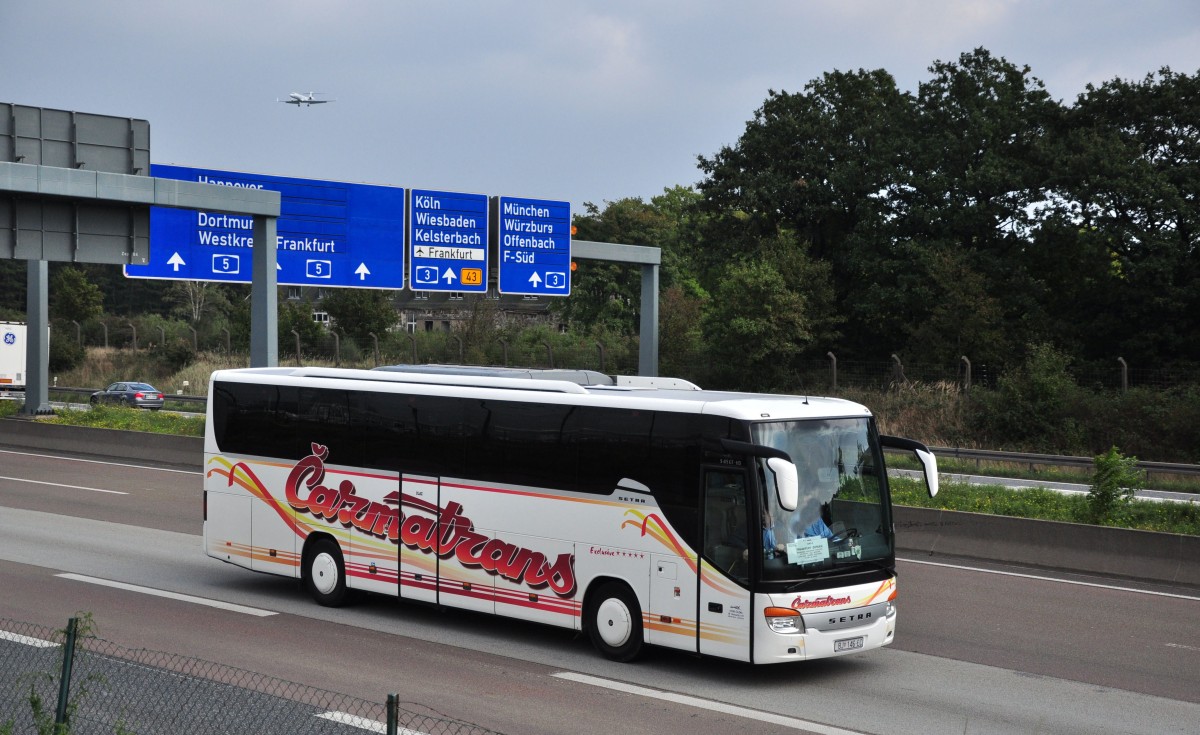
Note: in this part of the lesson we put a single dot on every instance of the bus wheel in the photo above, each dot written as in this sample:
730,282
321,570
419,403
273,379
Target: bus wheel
615,622
325,573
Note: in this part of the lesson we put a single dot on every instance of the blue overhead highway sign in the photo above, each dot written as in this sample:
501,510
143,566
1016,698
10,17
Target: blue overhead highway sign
534,247
448,237
328,234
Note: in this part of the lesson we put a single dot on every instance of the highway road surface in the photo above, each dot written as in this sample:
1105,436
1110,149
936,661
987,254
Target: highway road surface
980,648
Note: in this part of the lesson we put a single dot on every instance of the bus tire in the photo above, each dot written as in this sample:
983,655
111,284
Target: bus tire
615,622
325,573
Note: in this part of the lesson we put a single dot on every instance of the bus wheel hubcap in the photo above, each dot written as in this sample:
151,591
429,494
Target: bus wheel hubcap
324,573
613,622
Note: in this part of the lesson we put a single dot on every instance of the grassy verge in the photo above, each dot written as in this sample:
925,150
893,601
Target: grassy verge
1046,505
120,418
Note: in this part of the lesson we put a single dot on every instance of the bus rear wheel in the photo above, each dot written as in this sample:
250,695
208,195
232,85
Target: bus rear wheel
615,622
325,573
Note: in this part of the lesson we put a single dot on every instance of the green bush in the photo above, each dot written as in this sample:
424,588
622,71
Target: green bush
176,355
1030,403
1114,484
65,353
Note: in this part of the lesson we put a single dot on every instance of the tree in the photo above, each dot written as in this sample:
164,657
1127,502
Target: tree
14,277
825,165
74,297
130,296
983,157
194,300
681,343
1132,168
816,162
964,319
765,312
359,312
297,316
606,296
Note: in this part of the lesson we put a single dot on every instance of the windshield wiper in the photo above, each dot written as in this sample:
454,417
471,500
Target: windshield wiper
813,576
872,563
837,569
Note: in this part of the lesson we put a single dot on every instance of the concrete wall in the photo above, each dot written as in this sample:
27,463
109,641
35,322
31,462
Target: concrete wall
1144,555
184,452
1158,557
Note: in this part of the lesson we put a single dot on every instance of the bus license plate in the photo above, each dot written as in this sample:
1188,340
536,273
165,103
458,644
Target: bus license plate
849,644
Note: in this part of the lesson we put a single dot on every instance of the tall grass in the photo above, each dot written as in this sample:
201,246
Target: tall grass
934,413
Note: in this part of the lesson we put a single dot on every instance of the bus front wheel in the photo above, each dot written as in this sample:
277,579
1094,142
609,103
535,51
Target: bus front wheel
325,573
615,622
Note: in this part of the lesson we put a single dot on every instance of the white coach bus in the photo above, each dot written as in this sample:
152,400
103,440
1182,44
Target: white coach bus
642,510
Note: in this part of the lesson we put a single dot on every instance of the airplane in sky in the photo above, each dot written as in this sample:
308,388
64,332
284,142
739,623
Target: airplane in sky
300,98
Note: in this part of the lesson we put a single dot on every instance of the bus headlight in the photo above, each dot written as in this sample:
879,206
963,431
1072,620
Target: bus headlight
784,620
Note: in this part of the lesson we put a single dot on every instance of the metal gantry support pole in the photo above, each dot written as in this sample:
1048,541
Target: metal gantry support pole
649,259
37,355
648,343
264,296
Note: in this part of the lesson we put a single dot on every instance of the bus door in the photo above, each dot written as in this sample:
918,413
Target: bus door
728,540
418,538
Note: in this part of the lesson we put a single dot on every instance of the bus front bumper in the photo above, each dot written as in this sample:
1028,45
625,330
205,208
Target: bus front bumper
813,643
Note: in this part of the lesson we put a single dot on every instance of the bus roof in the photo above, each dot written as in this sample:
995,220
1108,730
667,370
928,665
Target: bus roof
583,387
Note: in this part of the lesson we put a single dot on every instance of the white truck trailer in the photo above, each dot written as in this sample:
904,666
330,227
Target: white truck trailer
12,359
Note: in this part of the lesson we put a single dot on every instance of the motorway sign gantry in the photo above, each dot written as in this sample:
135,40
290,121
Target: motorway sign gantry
328,234
448,240
534,248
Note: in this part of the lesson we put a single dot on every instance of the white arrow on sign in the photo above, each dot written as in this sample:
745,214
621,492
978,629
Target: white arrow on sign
362,272
536,280
450,277
176,261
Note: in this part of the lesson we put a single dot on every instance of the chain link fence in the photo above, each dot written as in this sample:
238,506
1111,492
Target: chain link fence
71,682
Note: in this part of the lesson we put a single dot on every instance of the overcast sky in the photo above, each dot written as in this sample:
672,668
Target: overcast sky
555,99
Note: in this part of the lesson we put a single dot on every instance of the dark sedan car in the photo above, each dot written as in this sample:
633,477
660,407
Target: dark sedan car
137,395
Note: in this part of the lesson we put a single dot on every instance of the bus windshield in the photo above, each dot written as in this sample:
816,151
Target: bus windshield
841,518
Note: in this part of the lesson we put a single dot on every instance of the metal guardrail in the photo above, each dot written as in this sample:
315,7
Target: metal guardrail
87,392
1058,460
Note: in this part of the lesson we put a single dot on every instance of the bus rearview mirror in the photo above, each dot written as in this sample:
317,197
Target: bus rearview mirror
929,465
787,484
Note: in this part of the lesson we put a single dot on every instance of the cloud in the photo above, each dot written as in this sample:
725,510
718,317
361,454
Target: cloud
556,98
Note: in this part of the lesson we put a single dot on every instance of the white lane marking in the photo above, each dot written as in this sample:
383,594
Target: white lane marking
363,723
59,484
1186,648
28,641
728,709
169,595
1050,579
99,461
